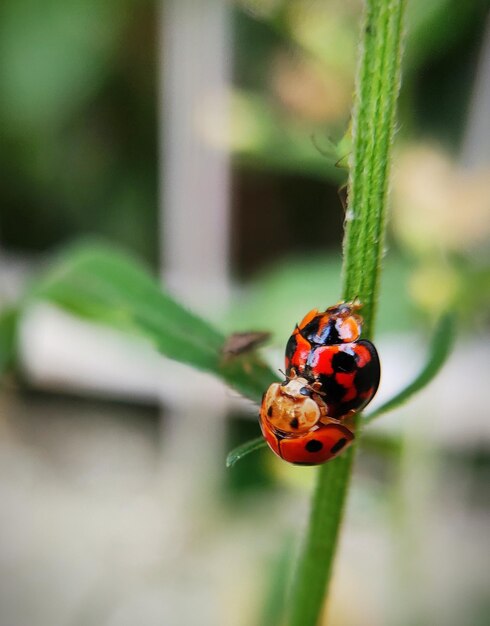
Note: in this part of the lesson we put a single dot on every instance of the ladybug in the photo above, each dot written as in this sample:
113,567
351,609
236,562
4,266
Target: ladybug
347,374
325,348
337,324
294,423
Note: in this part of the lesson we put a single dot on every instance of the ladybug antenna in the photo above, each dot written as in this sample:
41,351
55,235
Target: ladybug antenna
288,378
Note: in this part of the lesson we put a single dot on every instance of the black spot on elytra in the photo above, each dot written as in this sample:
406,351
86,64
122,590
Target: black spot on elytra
343,362
363,380
311,329
367,377
338,446
291,346
269,412
294,422
328,337
314,445
334,392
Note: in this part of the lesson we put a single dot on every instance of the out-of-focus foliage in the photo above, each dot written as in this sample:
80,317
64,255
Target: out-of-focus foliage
8,339
77,122
260,136
108,287
435,26
440,216
41,88
438,353
77,106
279,298
307,78
430,190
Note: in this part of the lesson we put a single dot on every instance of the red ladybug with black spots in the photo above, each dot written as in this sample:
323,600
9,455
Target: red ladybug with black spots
337,324
325,347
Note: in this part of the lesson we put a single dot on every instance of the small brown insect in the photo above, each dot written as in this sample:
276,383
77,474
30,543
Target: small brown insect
241,343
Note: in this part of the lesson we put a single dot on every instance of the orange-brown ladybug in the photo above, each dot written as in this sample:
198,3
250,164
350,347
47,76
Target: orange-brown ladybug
330,375
294,423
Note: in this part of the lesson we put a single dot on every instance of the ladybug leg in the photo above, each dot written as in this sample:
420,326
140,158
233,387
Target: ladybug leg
317,388
323,408
326,420
348,420
356,304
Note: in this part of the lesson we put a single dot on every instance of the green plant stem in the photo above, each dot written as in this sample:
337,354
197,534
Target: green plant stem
373,130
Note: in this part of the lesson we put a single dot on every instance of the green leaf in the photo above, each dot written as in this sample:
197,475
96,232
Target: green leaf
246,448
439,351
104,285
8,338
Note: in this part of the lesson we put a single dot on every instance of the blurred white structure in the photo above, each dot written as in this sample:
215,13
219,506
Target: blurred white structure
195,55
476,144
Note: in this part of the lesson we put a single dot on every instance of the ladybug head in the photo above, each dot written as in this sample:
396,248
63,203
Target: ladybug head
291,407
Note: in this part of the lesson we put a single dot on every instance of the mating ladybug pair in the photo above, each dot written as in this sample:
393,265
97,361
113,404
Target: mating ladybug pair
331,374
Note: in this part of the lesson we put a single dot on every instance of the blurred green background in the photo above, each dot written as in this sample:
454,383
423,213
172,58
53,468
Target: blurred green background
106,522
